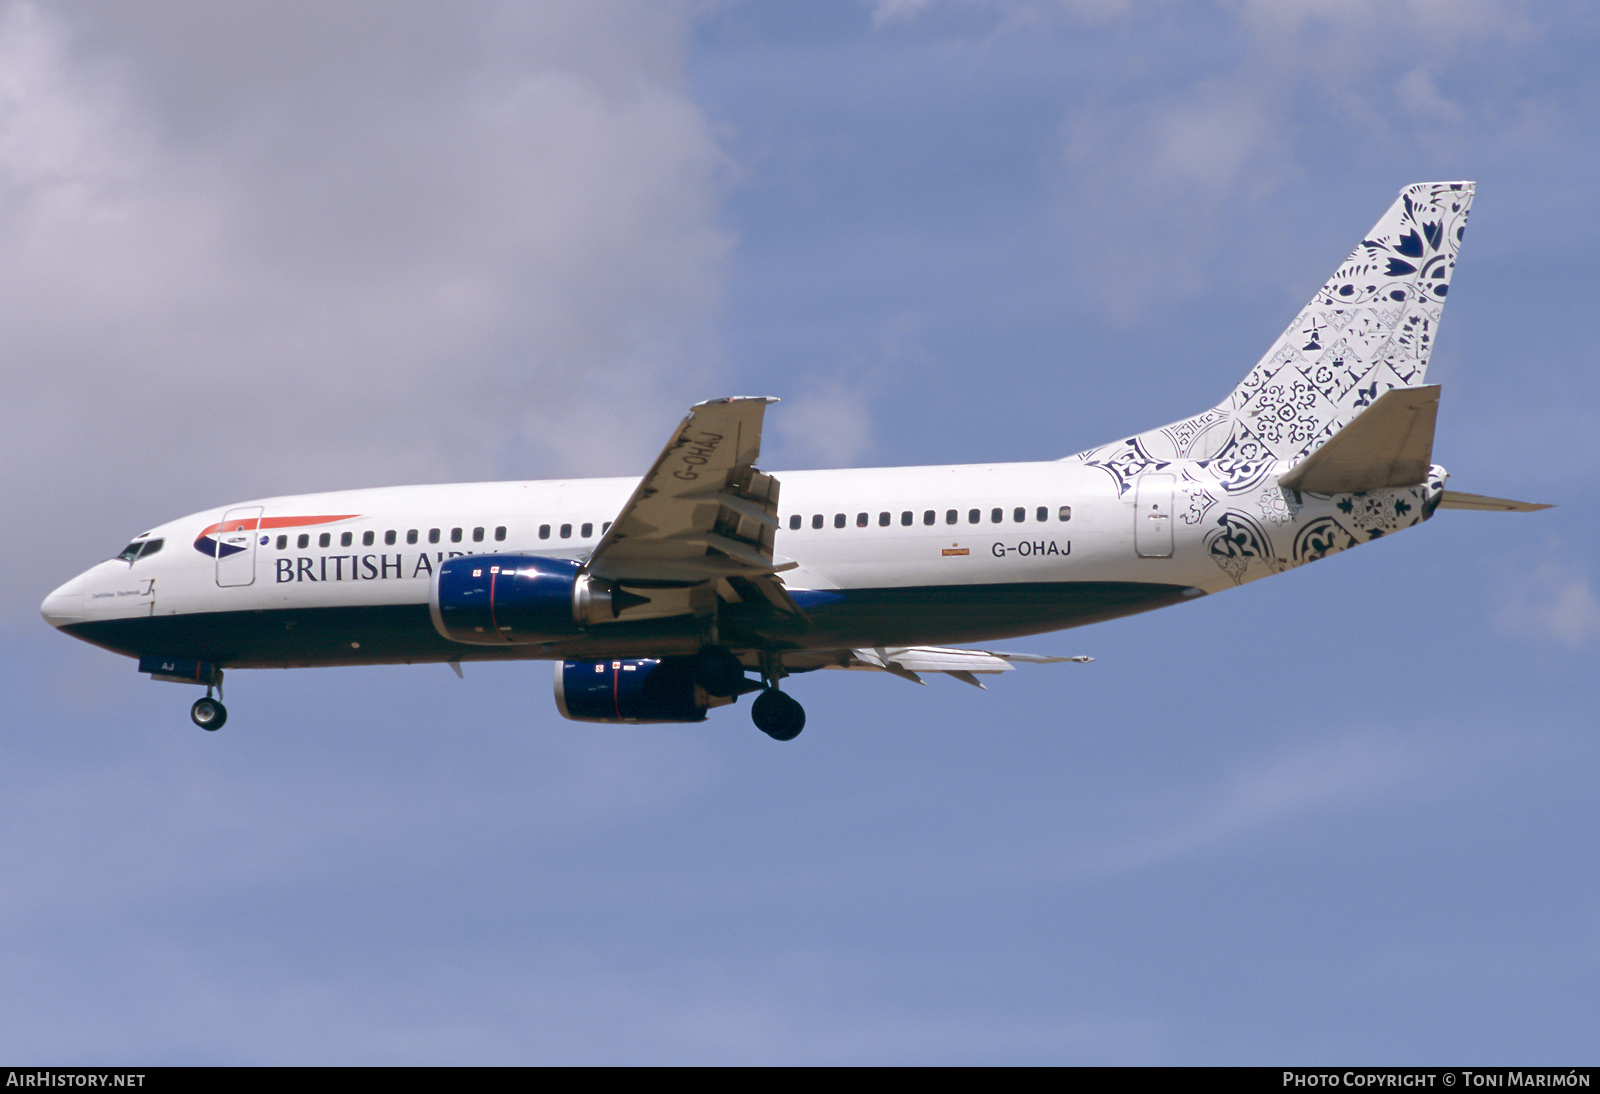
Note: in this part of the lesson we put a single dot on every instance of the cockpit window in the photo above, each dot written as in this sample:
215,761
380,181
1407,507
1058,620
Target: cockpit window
140,548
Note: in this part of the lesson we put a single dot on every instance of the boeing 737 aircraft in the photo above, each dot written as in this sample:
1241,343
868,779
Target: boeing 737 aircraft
655,597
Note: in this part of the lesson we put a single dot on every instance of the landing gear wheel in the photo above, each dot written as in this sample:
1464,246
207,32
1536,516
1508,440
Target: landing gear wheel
209,714
777,715
718,671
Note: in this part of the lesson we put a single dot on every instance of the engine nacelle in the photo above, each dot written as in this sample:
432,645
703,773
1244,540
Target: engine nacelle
496,600
644,690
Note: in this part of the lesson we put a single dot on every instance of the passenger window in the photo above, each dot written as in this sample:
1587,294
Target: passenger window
586,531
974,515
861,520
1043,513
996,516
606,527
455,535
346,539
794,522
951,516
367,538
411,535
816,520
388,538
1066,512
433,535
566,531
544,531
500,533
838,520
883,520
905,518
325,539
283,541
1019,514
303,542
927,516
477,535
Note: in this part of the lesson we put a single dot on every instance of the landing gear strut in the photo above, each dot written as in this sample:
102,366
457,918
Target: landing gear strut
208,713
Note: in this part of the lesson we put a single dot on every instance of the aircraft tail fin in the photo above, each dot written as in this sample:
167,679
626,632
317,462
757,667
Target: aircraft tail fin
1390,443
1369,329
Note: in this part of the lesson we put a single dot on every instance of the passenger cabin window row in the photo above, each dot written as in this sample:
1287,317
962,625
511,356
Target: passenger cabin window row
585,532
391,537
370,538
908,517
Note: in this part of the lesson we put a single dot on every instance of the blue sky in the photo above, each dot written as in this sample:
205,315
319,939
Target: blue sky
1347,814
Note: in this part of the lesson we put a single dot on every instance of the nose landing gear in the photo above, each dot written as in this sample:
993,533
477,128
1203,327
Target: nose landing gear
208,713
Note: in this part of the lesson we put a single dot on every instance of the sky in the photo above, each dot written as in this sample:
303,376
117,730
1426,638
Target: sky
1347,815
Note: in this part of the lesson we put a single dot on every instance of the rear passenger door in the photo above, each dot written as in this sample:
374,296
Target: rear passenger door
1152,516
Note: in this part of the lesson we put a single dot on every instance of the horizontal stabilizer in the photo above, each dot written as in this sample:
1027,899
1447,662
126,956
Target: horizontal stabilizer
1455,499
1390,443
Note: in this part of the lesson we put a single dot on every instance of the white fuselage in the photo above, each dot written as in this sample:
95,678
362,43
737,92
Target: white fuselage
952,532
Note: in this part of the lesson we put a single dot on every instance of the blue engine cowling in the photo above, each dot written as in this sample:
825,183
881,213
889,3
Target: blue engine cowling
642,690
496,600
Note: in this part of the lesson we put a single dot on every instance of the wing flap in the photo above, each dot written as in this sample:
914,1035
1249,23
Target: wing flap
907,661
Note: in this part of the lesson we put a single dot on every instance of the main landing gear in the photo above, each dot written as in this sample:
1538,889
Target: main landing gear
777,715
719,673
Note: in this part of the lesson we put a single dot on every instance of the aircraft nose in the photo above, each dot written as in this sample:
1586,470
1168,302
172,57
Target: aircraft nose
65,605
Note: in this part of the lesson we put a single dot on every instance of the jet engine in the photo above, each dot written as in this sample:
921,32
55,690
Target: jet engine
641,690
496,600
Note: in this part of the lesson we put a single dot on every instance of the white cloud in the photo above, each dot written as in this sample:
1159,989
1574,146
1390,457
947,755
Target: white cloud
1326,775
829,424
1420,97
172,826
1145,182
1014,13
1164,177
530,1001
897,11
311,250
1551,602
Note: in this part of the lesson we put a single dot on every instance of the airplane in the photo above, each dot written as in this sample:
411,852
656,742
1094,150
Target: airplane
657,597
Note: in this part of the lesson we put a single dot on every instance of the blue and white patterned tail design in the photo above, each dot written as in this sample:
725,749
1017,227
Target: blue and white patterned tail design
1370,328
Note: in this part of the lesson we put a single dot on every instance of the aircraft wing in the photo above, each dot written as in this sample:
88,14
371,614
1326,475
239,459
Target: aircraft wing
907,661
702,513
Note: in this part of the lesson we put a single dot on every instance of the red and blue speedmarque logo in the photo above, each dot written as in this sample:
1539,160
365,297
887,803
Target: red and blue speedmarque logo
207,543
